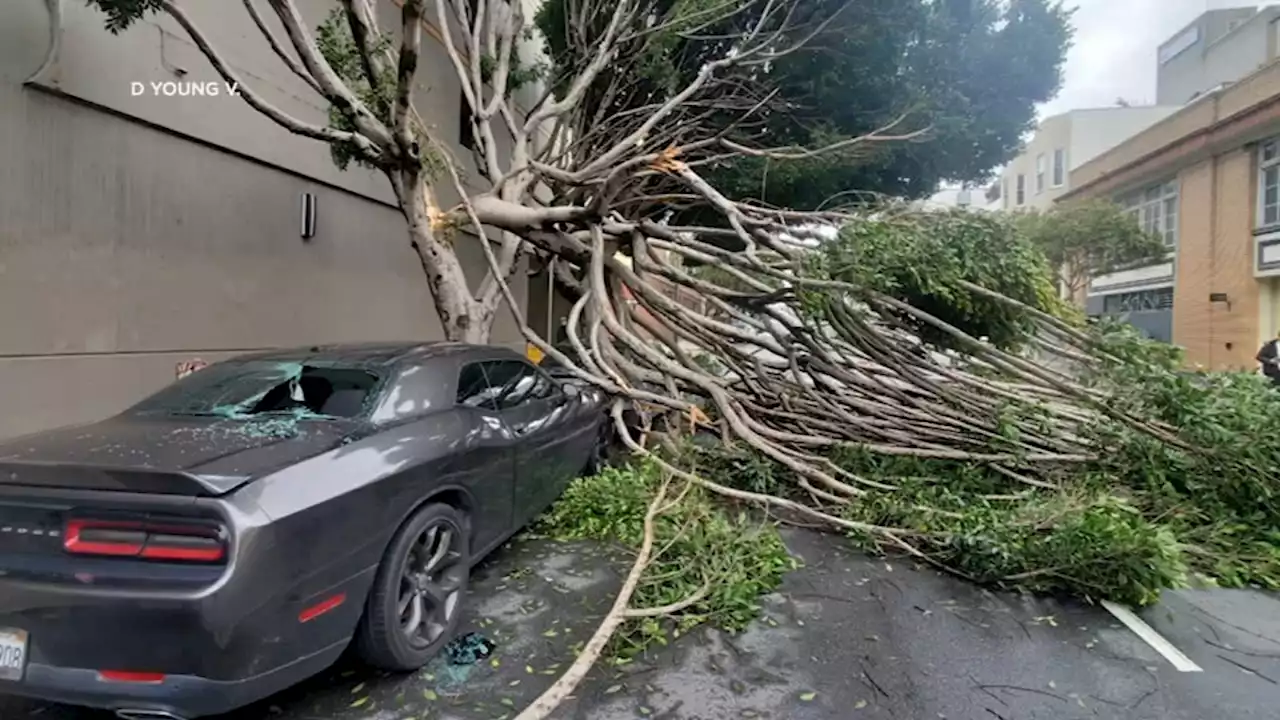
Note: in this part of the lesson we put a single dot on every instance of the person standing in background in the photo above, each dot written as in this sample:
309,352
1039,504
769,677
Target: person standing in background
1269,357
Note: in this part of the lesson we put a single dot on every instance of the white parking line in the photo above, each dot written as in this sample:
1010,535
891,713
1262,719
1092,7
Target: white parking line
1152,638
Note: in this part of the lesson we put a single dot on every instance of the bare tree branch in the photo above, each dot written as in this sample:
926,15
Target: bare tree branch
332,86
278,49
370,151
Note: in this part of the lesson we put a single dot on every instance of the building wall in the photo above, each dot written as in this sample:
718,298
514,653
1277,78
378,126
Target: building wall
1244,112
1053,133
1083,135
1215,247
1219,54
136,232
1240,51
1096,131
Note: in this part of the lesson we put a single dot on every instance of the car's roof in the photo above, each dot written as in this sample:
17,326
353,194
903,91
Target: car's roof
377,354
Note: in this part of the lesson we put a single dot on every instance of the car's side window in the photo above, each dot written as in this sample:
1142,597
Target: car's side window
517,382
474,389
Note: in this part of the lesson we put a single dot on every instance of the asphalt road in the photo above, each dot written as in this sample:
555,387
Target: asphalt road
846,637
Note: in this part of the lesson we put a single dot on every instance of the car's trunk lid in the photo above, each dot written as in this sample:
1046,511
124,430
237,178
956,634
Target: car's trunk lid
166,454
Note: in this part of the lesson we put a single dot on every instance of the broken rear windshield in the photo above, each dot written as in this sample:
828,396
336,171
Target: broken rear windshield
261,387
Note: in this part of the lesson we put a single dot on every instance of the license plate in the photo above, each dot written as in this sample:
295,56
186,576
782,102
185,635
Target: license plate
13,653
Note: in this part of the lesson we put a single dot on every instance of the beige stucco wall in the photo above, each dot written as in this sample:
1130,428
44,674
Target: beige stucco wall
138,232
1082,135
1096,130
1054,132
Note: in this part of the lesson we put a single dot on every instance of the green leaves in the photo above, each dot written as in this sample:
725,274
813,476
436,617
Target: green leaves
922,258
1086,239
970,79
703,543
123,13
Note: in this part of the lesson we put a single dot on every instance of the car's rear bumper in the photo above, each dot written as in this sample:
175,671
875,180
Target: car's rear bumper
208,654
184,696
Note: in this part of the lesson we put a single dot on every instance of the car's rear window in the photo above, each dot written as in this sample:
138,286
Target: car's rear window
258,387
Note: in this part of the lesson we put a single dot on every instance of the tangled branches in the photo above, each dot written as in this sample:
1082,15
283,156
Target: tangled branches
863,385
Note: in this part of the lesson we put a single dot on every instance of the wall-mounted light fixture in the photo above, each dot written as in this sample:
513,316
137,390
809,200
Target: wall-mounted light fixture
308,215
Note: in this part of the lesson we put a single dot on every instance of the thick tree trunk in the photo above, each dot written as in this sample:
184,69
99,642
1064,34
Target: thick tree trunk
461,316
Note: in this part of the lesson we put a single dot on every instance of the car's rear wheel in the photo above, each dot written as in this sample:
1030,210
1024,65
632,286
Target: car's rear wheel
416,600
600,450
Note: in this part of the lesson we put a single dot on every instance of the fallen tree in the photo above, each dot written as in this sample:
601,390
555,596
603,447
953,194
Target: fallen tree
908,378
870,383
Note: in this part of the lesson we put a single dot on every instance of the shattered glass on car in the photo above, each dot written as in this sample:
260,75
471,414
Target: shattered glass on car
253,388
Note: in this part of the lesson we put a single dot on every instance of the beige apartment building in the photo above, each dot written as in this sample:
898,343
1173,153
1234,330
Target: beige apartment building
1037,177
1208,179
137,231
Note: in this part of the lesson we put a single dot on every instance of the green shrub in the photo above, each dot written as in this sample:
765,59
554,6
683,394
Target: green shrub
922,259
1089,544
1222,497
698,542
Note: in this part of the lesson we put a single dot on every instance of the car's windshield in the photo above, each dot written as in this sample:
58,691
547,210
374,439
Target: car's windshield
257,387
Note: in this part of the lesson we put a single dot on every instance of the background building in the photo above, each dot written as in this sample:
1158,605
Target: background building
962,196
1208,179
1220,46
139,231
1038,176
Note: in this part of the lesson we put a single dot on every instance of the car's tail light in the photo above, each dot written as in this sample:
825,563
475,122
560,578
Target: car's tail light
129,676
148,541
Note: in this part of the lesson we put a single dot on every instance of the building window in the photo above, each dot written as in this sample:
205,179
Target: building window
1269,184
1156,210
1059,167
1004,192
1142,300
1179,44
1040,173
1022,190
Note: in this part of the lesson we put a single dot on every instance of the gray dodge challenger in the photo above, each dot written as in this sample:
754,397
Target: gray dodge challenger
237,531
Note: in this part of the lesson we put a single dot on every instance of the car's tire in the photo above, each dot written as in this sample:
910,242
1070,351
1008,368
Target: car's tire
600,451
408,583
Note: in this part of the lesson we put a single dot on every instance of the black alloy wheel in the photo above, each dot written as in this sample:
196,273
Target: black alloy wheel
416,600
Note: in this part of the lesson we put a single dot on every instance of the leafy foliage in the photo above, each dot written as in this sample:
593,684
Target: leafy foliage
922,258
1223,501
1142,517
338,47
1090,238
967,72
698,542
1087,542
123,13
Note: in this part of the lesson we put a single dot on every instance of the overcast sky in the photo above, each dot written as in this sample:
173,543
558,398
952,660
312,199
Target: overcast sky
1114,55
